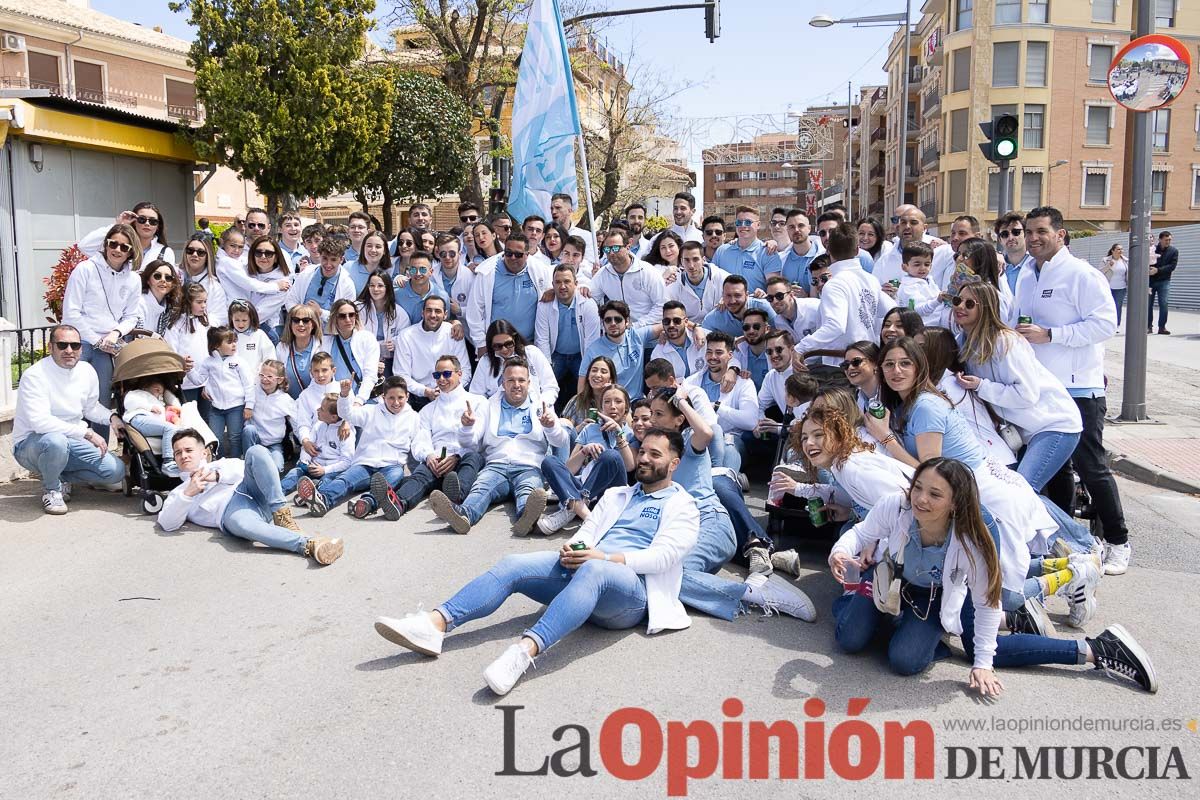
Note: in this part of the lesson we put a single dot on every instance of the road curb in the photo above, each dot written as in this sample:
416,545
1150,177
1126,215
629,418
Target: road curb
1143,471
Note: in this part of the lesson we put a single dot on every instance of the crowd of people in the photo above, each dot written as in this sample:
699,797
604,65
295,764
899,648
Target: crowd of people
932,399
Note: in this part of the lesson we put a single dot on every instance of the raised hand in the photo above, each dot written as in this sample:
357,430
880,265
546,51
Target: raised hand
346,385
468,418
547,418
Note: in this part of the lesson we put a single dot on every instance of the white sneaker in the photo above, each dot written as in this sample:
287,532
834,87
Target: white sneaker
783,596
787,561
415,632
1081,591
1116,558
503,673
53,502
553,523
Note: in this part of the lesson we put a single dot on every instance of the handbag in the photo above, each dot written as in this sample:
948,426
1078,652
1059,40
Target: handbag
885,589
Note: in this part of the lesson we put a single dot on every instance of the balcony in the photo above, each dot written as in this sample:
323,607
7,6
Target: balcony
875,209
189,113
878,99
916,74
930,102
929,209
929,157
56,89
876,174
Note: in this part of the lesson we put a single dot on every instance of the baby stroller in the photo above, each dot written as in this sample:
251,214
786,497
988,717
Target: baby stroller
140,359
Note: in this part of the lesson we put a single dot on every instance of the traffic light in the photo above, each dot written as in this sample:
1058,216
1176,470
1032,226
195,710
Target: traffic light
712,19
1001,134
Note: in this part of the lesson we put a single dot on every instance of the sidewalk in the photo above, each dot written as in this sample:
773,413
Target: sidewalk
1165,451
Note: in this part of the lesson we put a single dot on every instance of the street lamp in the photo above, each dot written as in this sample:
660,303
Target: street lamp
874,21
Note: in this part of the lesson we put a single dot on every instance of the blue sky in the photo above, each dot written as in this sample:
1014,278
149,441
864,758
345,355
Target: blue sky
767,59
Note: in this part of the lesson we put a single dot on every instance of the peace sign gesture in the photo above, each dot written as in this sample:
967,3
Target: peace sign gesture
468,418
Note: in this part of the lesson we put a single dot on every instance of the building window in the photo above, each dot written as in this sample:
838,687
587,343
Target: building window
181,99
1031,190
1039,11
1035,126
43,72
960,72
89,82
1095,187
964,14
956,191
1098,120
994,192
1036,55
1162,130
1100,57
959,129
1195,187
1008,12
1164,13
198,177
1006,62
1104,10
1158,190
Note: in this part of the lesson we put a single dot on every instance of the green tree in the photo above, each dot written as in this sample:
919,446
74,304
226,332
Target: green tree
429,149
288,98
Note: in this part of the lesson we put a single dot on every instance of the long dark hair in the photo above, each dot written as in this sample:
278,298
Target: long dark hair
879,238
280,262
901,407
499,326
910,322
965,517
385,262
562,240
171,299
981,258
161,235
587,398
655,258
209,267
183,309
389,295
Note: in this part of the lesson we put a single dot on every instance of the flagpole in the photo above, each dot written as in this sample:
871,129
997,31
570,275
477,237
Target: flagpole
587,192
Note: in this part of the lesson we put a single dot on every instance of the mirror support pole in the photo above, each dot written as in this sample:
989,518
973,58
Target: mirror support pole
1137,314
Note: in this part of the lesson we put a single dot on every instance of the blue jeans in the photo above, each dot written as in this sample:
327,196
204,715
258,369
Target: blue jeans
566,373
292,477
496,483
607,594
336,488
608,472
1119,301
746,529
701,588
57,458
102,362
149,425
1161,290
250,438
735,451
231,421
417,486
249,512
1045,455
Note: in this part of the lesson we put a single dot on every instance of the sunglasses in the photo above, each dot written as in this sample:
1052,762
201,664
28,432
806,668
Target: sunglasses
113,244
672,321
195,251
498,347
347,315
964,301
851,362
613,320
61,346
443,375
418,270
821,280
743,223
752,326
302,320
256,226
264,253
776,351
514,254
612,248
404,243
146,220
163,276
1006,234
777,297
469,218
448,254
714,232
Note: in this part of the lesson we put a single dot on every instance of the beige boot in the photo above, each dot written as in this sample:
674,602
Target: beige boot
283,519
324,550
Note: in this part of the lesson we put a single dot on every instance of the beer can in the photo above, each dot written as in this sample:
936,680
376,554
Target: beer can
816,511
876,409
1024,320
894,282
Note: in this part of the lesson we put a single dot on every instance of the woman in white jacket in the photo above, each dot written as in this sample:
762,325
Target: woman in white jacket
355,351
949,581
199,266
160,294
261,281
625,566
503,342
381,316
147,222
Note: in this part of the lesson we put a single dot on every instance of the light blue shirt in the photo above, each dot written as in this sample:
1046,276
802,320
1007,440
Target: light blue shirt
411,302
720,319
931,414
694,472
341,368
567,343
638,523
698,288
628,355
1013,271
514,420
295,368
515,298
757,365
923,564
711,388
591,434
794,267
293,256
748,263
359,273
322,290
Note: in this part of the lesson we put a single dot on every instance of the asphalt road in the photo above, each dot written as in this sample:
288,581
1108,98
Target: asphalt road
143,664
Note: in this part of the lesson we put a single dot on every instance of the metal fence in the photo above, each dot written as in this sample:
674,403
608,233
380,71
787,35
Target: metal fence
27,346
1185,281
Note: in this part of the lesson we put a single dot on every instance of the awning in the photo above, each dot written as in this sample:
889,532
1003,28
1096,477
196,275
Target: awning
93,127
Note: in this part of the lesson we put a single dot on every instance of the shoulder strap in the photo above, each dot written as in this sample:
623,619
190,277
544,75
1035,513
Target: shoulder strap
342,350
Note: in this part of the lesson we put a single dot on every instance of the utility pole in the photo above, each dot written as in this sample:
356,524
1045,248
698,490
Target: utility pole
1137,317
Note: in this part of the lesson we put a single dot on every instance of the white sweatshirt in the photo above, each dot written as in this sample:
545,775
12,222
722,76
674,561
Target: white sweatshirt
342,289
542,385
974,413
333,452
307,404
587,323
639,287
924,294
192,344
98,301
140,403
218,304
773,391
526,449
478,311
207,508
697,306
440,421
739,407
226,382
262,291
1072,299
51,399
1022,391
386,437
254,347
92,244
271,413
851,304
417,352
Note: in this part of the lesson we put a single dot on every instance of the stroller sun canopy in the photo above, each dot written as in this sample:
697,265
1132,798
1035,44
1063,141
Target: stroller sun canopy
142,358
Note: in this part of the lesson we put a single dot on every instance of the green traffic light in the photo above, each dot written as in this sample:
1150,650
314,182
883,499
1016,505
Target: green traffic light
1005,148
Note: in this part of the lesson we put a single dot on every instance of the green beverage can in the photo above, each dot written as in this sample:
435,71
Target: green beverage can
577,546
876,409
443,456
593,415
816,511
894,282
1024,320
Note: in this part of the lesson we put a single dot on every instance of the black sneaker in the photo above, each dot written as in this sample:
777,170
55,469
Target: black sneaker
361,508
453,488
1118,653
385,498
1031,618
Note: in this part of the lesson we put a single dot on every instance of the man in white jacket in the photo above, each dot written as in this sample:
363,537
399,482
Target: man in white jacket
49,434
625,566
321,287
513,433
566,325
911,228
509,290
626,279
698,285
1073,315
420,347
736,409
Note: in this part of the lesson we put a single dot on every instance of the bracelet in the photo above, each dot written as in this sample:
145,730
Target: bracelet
891,437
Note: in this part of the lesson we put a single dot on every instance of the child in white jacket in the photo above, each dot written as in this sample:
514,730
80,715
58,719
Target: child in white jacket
917,289
147,413
227,387
273,407
330,453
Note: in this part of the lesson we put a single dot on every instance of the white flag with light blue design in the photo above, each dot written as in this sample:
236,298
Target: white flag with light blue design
545,120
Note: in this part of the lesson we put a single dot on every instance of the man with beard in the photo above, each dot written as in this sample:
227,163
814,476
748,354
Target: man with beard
735,302
910,227
699,285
